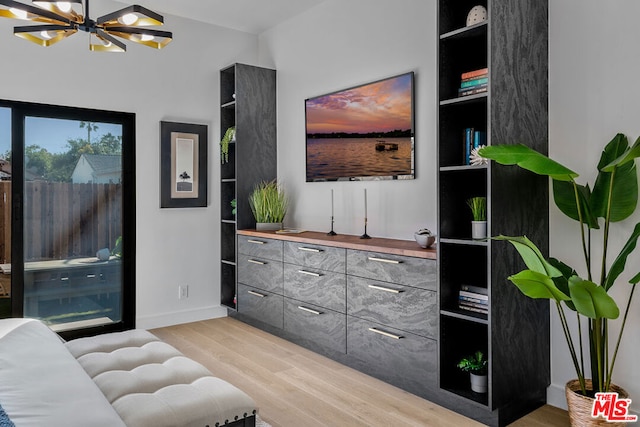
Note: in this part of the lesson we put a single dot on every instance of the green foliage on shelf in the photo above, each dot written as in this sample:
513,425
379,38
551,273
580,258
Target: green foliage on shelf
475,363
478,206
268,202
229,135
613,198
234,204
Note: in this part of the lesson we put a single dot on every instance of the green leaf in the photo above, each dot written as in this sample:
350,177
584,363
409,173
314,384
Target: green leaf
562,282
624,194
528,159
592,300
618,265
537,285
565,197
531,255
635,279
627,156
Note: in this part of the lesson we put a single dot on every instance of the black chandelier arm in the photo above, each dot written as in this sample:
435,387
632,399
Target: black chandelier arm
156,39
109,43
33,13
145,16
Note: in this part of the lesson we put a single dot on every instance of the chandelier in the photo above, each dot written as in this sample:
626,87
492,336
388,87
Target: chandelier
64,18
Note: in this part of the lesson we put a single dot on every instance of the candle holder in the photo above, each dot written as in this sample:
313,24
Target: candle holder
365,235
332,233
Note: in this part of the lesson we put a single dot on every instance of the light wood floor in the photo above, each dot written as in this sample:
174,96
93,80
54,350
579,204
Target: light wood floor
294,387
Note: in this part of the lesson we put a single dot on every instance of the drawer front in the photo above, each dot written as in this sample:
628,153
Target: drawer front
317,327
259,247
259,272
316,256
261,305
403,359
401,307
416,272
322,288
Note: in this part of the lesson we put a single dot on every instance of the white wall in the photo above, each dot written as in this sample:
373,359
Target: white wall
336,45
179,83
594,65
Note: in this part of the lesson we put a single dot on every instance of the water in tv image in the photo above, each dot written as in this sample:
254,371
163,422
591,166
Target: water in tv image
362,133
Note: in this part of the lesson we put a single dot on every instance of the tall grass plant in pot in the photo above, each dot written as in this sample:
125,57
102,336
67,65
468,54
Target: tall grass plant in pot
478,206
583,291
269,205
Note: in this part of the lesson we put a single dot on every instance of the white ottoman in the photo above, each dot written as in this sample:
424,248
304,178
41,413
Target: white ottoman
150,383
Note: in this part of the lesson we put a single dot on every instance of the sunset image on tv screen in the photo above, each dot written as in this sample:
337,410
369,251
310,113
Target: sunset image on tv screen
362,132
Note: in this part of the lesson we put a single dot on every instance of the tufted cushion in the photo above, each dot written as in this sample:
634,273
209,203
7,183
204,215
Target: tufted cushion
150,383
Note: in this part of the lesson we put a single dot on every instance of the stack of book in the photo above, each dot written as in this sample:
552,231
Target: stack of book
473,82
473,298
471,139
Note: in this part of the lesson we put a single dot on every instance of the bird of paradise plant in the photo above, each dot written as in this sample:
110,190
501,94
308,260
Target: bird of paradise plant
613,198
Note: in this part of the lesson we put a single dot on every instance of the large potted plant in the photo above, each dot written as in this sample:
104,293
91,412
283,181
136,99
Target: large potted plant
612,198
269,205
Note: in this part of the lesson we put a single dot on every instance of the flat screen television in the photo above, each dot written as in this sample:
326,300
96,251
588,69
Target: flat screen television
362,133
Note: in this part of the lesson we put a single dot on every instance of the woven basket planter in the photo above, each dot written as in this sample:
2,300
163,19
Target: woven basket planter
580,406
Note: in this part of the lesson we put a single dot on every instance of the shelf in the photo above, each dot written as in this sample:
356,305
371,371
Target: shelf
224,261
470,316
231,104
464,168
464,99
481,398
468,242
228,180
475,30
228,221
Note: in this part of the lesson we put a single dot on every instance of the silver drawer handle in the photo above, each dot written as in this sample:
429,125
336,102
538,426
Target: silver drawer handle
257,242
380,288
388,261
309,273
253,261
302,248
386,334
257,294
308,310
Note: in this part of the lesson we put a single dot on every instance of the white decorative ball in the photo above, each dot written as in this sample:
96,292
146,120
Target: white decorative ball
476,14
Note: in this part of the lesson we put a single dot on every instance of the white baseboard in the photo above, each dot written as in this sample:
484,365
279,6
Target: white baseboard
179,317
556,397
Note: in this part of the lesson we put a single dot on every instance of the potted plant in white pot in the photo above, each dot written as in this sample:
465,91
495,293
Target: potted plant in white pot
612,198
269,205
478,206
476,366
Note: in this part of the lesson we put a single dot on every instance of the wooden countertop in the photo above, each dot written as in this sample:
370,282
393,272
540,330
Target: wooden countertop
375,244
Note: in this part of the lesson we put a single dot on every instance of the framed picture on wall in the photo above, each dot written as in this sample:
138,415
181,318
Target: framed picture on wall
183,165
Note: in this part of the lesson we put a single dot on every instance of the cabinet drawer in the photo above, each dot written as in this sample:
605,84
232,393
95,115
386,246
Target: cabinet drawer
263,248
416,272
402,307
259,272
322,288
317,327
316,256
261,305
403,359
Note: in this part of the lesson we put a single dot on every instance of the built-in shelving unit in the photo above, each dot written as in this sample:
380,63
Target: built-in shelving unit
514,333
248,102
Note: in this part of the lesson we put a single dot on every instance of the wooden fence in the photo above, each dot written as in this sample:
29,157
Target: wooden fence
63,220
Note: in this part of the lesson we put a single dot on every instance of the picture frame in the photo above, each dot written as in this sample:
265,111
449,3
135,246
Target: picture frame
183,165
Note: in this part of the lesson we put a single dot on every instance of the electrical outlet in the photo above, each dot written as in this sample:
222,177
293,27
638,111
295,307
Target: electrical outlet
183,291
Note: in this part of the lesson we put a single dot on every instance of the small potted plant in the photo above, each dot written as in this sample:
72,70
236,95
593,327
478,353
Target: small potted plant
478,206
229,135
476,365
269,205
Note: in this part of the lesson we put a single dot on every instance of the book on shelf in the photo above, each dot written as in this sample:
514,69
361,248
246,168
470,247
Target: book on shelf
474,73
471,139
475,310
466,303
472,90
473,82
474,295
476,289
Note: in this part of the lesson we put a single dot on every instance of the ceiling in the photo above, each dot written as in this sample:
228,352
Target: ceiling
251,16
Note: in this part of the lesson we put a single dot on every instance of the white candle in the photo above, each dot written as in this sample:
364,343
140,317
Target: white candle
332,203
365,203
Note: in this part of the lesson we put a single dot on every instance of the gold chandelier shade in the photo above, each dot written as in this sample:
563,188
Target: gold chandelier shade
65,18
44,35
